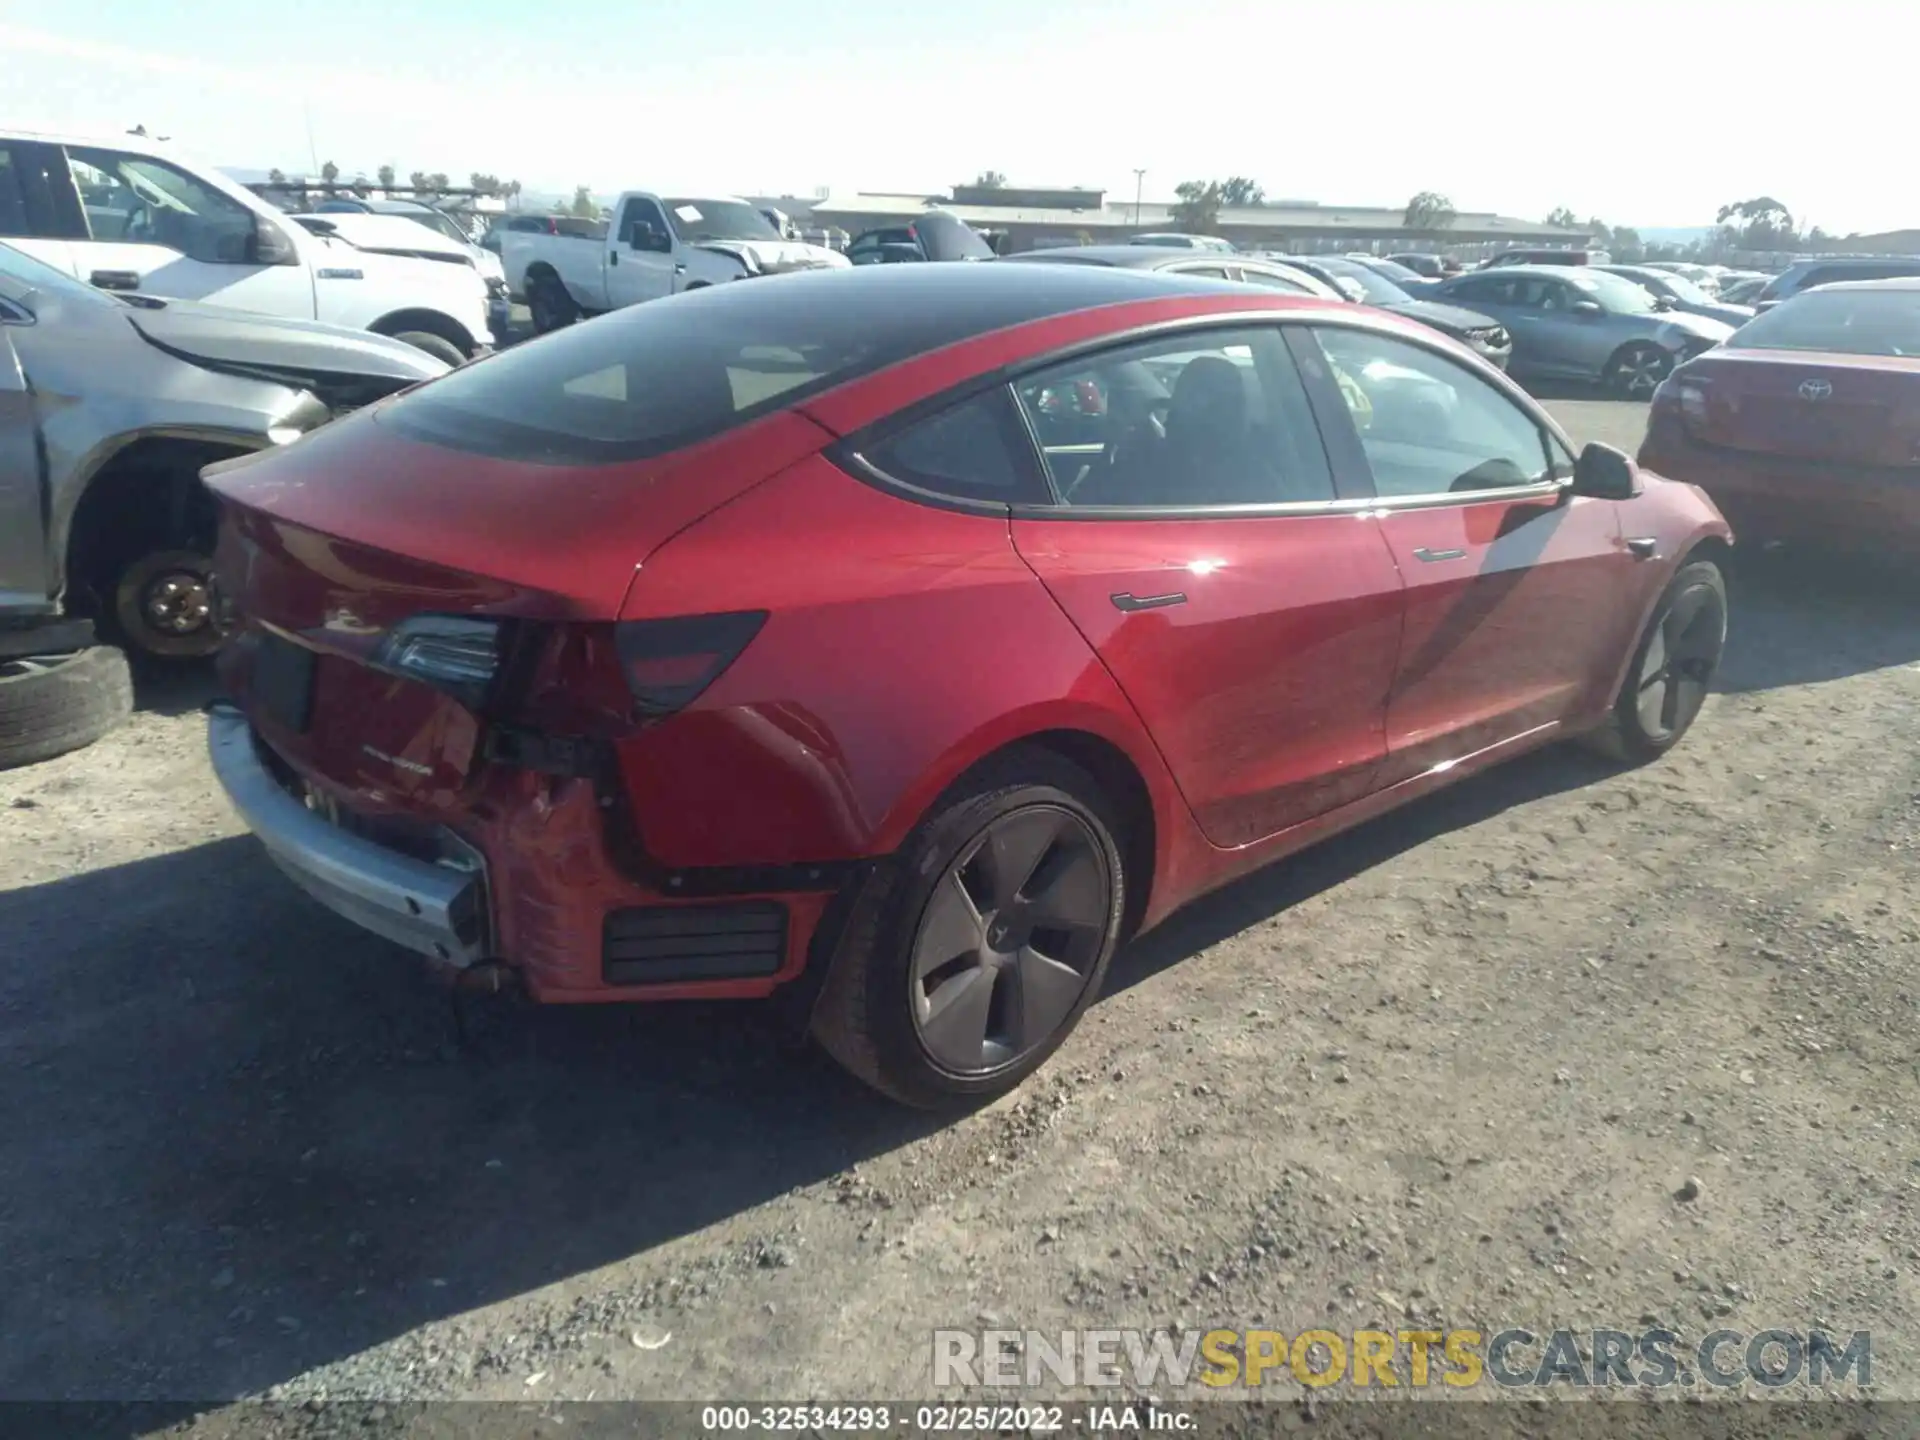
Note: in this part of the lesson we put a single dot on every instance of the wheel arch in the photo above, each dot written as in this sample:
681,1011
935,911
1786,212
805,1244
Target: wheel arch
115,495
1119,759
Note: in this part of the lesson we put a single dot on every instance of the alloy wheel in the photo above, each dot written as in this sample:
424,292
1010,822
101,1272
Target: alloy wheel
1682,654
1009,939
1640,370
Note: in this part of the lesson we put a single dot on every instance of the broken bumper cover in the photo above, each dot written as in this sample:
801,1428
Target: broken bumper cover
437,909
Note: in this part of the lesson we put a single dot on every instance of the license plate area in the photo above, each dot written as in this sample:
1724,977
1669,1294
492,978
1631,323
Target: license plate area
283,683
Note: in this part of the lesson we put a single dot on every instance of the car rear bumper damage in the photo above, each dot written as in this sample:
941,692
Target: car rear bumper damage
535,887
436,909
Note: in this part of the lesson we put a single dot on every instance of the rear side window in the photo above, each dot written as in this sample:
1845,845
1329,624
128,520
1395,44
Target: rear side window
976,451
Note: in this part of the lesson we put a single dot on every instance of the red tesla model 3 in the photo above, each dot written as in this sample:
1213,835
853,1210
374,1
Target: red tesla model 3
903,638
1805,425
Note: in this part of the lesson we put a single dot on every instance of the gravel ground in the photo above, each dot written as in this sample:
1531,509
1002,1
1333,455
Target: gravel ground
1453,1067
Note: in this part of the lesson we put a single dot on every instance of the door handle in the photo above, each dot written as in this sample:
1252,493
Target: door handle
1431,555
115,279
679,269
1125,601
1644,547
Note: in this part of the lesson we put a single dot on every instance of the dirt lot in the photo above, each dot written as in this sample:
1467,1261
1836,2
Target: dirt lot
1453,1066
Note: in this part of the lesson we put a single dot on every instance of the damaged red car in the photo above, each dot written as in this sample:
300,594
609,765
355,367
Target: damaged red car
900,640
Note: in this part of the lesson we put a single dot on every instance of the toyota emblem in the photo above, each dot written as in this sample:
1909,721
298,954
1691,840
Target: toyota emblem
1815,389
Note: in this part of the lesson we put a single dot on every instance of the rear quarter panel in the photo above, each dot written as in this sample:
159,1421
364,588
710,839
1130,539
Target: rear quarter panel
904,644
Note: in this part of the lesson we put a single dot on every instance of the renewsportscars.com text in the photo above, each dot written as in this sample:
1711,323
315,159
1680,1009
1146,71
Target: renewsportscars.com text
1413,1359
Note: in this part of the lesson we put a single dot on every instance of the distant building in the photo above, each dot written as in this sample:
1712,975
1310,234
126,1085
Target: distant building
1035,218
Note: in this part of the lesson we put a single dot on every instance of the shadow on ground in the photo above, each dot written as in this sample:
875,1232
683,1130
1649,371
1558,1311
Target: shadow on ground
239,1142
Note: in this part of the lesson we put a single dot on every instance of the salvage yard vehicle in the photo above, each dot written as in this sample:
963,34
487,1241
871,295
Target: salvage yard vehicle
541,675
1584,324
108,409
657,246
1805,426
380,233
130,215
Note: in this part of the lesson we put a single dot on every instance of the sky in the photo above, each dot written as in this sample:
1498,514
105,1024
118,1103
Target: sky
1636,113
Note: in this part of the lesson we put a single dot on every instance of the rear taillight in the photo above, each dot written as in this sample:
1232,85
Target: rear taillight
668,663
459,654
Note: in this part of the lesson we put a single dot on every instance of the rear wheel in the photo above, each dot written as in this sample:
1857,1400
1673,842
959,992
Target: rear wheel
979,959
549,306
1672,670
1635,371
51,704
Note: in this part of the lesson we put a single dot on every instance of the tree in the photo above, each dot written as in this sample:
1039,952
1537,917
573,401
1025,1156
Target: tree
1563,219
485,184
990,180
1198,212
510,192
1761,223
583,205
1429,210
276,177
1239,190
329,172
385,176
1625,245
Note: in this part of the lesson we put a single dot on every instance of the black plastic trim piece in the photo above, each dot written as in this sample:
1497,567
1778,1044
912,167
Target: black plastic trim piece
675,944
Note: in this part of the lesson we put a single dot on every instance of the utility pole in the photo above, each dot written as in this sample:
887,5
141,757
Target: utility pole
1139,179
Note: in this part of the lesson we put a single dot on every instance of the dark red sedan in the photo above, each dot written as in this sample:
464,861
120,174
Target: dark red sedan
1805,425
903,638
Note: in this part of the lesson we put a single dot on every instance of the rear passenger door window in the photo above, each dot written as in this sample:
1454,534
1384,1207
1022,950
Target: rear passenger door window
1427,425
1192,421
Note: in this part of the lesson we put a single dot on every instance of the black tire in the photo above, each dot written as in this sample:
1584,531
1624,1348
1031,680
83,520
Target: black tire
1689,627
870,1014
549,306
163,607
437,346
52,704
1635,370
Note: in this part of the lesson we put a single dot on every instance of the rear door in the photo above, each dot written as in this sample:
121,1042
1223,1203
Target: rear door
1198,543
152,227
23,539
1514,591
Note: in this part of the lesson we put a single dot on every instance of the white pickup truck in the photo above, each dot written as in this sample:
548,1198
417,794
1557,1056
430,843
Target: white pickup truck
130,214
655,246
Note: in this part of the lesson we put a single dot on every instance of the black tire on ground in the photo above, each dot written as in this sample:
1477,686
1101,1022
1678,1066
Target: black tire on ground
879,1013
1672,668
549,305
52,704
1635,370
437,346
162,606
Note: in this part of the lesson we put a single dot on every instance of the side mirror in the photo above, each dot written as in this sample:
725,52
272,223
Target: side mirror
1587,309
1604,473
270,245
653,239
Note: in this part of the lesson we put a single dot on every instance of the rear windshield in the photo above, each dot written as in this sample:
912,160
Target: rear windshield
658,376
1846,322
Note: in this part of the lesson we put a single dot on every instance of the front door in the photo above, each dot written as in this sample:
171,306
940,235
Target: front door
635,272
154,229
1513,588
1197,544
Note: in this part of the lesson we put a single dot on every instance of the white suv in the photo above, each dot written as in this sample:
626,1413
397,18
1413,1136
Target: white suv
130,214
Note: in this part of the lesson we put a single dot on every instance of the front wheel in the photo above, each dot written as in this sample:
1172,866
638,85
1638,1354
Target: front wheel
163,606
1673,668
989,943
437,346
1636,370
